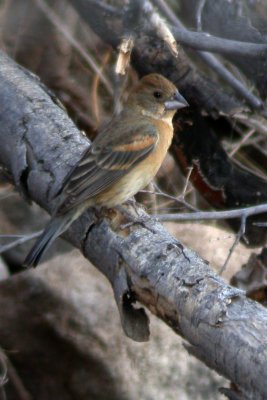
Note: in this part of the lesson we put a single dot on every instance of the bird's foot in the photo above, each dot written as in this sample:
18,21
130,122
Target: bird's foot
134,204
134,220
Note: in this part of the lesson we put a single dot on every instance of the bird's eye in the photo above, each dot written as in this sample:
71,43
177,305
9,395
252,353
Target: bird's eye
157,95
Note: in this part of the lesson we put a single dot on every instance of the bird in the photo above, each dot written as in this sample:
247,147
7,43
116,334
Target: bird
123,159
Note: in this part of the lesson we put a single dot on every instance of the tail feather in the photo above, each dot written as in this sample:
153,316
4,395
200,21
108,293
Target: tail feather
54,228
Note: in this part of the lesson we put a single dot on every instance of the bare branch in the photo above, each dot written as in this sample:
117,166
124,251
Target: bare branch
51,15
20,239
142,263
160,27
228,77
215,215
206,42
242,213
125,51
238,237
203,41
179,200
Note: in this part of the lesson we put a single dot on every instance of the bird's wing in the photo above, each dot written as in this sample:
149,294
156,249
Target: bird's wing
101,166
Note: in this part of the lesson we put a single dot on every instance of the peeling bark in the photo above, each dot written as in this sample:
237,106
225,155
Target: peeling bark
226,330
223,183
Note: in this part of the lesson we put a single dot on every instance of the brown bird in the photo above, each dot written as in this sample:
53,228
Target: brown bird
122,160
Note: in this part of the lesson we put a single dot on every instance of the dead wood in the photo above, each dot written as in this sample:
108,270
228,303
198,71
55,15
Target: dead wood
225,329
222,182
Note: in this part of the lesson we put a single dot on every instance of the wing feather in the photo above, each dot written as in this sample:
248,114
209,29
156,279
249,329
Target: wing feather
100,167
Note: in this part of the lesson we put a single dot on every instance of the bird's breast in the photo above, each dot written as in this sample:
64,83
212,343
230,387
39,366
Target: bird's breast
142,174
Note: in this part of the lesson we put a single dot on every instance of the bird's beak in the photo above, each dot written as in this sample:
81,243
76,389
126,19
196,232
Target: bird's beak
176,102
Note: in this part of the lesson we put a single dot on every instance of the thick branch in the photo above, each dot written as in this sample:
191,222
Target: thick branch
206,42
151,55
218,179
234,20
225,329
210,60
200,40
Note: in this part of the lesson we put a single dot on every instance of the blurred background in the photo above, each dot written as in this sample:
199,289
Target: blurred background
60,332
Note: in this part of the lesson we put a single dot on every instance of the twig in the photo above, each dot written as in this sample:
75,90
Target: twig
22,239
238,237
120,82
217,215
7,192
200,7
206,42
257,124
107,8
242,213
228,77
3,375
154,200
180,199
194,39
95,84
22,392
51,15
151,267
8,371
190,169
242,142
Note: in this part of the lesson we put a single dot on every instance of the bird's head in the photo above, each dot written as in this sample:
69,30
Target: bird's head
156,97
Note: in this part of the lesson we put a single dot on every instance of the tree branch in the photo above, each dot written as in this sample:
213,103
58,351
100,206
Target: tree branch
151,55
206,42
234,20
226,330
210,215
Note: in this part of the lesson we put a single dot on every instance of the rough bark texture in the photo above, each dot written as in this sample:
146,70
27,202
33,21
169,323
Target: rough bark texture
217,178
60,328
151,54
225,329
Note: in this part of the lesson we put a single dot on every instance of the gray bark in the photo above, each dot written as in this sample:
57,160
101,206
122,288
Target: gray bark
227,331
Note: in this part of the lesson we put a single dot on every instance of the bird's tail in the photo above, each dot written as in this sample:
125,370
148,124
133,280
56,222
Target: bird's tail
55,227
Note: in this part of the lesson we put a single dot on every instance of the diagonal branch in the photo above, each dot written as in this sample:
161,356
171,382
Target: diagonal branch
225,329
207,42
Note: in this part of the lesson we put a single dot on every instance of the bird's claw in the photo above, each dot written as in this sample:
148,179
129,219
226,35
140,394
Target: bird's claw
138,221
